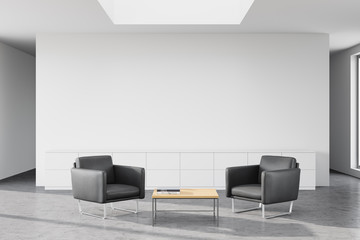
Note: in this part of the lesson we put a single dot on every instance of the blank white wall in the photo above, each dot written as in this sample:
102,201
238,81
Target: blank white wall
17,111
194,92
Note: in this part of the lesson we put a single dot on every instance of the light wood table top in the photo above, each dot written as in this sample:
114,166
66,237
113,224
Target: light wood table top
189,193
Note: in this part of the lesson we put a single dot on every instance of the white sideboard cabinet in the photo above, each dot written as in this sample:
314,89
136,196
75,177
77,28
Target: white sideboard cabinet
177,169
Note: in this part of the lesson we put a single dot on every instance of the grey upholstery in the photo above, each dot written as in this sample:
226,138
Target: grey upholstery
117,191
134,176
96,179
103,163
247,191
270,163
236,176
89,185
280,186
275,180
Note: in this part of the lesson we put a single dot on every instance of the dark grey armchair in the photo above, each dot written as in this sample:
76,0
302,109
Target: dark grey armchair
96,179
275,180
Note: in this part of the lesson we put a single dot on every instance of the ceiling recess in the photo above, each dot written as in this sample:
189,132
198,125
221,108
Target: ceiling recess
182,12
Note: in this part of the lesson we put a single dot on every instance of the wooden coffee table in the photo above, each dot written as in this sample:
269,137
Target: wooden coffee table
187,194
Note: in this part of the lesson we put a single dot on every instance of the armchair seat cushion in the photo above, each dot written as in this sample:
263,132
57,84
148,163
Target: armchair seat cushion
118,191
252,191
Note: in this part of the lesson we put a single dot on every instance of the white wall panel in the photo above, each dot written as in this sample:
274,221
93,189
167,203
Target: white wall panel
58,179
130,159
197,178
163,178
197,92
254,158
197,160
163,160
57,161
305,160
307,179
225,160
219,178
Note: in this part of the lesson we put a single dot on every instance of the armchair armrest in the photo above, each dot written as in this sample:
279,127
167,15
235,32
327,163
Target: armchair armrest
280,185
134,176
235,176
89,185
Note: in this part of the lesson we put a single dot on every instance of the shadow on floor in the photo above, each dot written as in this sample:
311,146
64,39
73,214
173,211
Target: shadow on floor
335,206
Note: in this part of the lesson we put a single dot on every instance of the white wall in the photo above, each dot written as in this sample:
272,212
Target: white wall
17,111
178,92
342,155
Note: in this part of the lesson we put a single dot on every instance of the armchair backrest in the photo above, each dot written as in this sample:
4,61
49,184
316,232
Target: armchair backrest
272,163
103,163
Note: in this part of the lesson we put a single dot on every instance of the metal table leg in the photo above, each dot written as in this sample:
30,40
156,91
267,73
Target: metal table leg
155,209
215,210
218,212
152,212
214,207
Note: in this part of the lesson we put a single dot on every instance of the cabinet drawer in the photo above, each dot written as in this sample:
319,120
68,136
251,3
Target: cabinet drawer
58,179
197,160
255,158
219,178
197,178
163,160
58,161
130,159
306,160
225,160
163,178
307,179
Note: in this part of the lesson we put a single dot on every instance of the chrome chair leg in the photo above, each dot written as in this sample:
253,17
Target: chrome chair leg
137,206
245,210
126,210
233,205
277,215
90,214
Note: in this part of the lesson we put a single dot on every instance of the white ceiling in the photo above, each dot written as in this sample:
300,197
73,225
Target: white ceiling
21,20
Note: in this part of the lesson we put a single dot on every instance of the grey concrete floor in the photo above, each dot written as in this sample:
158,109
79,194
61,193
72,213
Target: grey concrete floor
27,212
